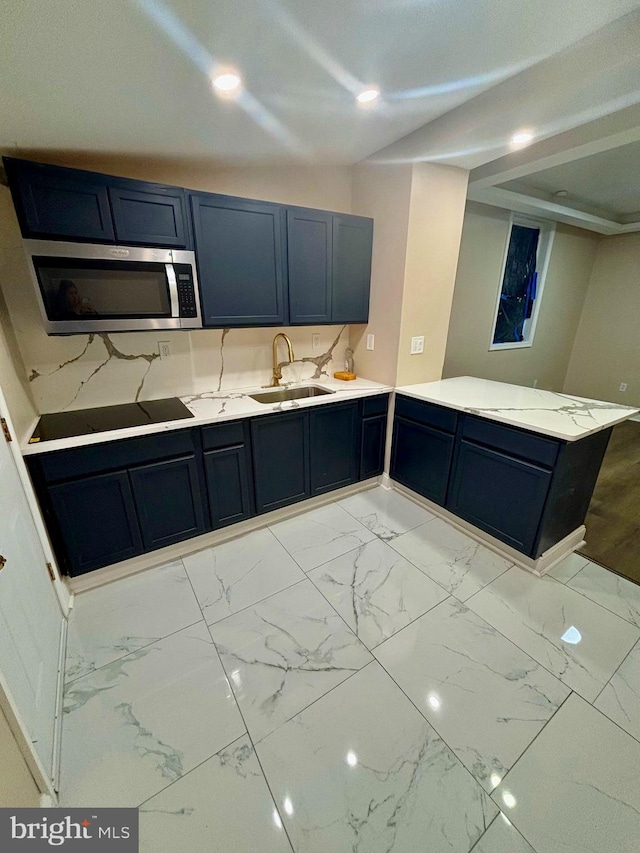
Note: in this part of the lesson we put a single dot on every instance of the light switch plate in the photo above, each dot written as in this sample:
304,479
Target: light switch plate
370,341
315,340
417,345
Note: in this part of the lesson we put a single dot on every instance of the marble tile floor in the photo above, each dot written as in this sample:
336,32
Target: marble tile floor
362,677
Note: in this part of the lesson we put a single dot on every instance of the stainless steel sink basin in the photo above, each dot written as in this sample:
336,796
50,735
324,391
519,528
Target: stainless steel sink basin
279,395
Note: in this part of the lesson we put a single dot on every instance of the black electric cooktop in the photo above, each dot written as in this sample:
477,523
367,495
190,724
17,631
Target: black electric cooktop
105,418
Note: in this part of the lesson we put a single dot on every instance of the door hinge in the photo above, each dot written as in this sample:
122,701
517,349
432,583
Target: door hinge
5,429
51,572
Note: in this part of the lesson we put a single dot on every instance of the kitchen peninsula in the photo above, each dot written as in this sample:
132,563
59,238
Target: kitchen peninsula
519,464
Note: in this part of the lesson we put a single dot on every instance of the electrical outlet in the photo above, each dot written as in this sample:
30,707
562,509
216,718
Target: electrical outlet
370,341
623,386
315,340
417,345
164,348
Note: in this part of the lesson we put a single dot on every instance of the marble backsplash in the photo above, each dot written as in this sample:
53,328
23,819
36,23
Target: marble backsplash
102,369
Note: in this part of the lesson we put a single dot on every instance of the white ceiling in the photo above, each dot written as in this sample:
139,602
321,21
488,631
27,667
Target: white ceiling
606,184
132,76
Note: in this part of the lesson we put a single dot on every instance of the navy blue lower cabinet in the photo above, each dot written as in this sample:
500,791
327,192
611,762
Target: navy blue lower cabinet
421,458
335,438
168,501
97,521
372,446
228,485
499,494
280,459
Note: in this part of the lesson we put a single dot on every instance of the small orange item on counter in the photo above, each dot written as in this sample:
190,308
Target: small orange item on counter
345,375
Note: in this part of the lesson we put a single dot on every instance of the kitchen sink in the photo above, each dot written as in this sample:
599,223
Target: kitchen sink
279,395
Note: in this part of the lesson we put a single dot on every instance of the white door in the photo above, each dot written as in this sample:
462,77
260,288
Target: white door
31,620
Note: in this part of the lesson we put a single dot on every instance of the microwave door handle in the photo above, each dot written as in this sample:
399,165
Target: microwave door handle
173,290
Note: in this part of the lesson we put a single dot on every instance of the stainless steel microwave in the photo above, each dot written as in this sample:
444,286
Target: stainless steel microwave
88,288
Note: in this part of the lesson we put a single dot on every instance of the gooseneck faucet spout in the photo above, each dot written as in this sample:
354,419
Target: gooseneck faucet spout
277,367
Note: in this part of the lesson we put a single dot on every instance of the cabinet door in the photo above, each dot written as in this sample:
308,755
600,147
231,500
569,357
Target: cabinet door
499,494
97,521
280,459
421,459
168,501
61,203
372,446
309,265
239,255
228,485
335,443
149,215
351,273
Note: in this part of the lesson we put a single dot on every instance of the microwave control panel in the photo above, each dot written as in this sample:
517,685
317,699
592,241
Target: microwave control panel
186,290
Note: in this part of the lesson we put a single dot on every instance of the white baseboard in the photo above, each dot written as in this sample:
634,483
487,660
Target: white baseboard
115,572
538,567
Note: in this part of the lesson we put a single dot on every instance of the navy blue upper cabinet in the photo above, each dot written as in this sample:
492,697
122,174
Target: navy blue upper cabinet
149,214
351,268
239,250
71,204
329,264
309,242
55,202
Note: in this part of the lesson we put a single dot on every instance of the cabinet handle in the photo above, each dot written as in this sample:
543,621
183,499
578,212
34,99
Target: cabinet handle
3,561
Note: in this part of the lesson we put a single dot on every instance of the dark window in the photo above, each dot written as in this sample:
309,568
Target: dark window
519,285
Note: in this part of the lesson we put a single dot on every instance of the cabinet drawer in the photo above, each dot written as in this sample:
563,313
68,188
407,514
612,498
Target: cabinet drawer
81,461
222,435
512,441
377,405
426,413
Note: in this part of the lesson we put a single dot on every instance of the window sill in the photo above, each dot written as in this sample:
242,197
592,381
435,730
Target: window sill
514,345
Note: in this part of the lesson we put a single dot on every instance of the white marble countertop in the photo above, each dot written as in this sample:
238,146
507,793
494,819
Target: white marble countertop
218,406
546,412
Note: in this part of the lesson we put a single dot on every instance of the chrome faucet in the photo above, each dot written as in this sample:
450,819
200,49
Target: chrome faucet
277,367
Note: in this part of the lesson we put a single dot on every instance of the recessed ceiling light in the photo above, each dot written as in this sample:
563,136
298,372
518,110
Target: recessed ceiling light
367,95
522,137
226,82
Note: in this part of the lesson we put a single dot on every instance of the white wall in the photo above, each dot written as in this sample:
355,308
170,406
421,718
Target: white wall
484,239
607,344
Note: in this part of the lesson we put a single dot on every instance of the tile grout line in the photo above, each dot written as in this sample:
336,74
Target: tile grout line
370,650
189,772
437,733
524,752
253,745
593,601
573,689
127,654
